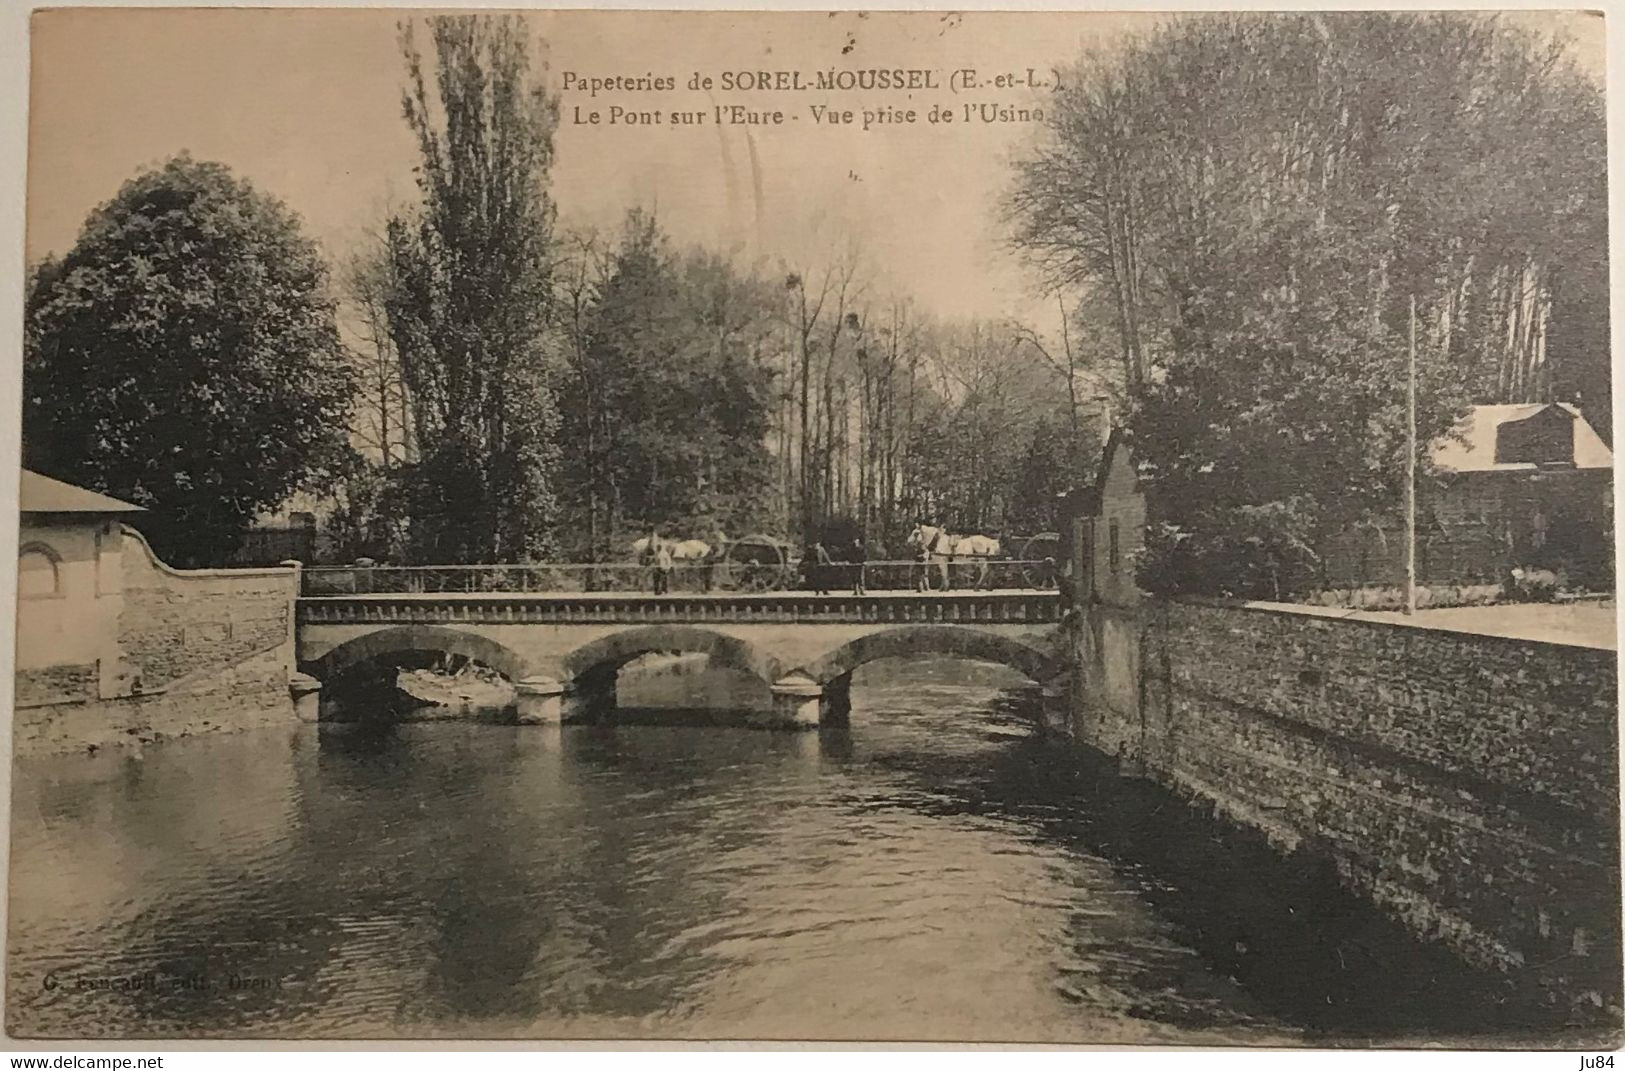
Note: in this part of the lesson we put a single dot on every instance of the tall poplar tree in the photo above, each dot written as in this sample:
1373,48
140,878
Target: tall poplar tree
473,296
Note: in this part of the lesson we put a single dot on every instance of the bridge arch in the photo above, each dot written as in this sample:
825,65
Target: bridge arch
611,652
427,639
958,641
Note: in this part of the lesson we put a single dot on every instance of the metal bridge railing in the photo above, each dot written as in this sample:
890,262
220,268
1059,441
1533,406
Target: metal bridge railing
716,577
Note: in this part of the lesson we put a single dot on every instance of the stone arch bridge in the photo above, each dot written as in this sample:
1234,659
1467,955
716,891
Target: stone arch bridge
564,650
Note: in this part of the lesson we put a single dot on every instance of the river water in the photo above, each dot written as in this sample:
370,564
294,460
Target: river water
938,870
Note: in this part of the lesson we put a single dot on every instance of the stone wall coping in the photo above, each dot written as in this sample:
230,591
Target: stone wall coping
1369,619
288,571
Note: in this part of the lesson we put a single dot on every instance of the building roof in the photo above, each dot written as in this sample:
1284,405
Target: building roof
1472,448
41,494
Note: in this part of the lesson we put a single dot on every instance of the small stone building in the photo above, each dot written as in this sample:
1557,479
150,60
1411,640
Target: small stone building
1106,523
70,591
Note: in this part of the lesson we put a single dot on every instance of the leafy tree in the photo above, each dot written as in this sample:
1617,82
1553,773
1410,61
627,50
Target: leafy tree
364,516
184,356
668,396
1259,243
471,306
726,320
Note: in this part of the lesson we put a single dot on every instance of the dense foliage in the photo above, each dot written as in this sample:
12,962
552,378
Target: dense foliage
993,443
183,356
667,394
1258,199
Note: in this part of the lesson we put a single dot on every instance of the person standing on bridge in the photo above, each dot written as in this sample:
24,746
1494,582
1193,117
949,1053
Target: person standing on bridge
651,558
922,556
822,564
858,557
663,567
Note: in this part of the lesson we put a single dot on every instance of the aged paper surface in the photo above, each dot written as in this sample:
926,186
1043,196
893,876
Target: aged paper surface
1042,527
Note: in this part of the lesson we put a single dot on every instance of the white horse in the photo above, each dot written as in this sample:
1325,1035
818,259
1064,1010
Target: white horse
681,550
977,546
940,543
690,550
937,546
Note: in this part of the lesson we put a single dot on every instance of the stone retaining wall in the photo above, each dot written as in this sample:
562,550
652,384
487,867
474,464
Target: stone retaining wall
249,694
1466,783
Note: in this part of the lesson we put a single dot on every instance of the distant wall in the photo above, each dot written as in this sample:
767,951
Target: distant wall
1474,527
1466,783
180,653
268,544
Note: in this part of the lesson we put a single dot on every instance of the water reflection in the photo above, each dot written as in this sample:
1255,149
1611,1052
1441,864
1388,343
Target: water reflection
937,870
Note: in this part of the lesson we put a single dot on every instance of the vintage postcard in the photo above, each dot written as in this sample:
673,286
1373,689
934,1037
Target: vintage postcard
1022,527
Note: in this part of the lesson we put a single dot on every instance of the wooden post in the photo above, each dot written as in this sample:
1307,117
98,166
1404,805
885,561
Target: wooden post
1410,470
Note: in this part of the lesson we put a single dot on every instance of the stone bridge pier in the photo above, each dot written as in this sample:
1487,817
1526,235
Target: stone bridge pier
564,653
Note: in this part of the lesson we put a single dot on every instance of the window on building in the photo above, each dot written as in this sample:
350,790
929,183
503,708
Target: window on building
37,573
1116,547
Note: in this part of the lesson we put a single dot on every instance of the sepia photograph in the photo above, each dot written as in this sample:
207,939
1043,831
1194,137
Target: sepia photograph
1032,528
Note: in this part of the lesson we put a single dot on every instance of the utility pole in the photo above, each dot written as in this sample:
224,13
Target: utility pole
1410,470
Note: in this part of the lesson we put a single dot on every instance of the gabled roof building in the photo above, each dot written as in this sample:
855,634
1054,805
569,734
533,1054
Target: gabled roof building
1513,486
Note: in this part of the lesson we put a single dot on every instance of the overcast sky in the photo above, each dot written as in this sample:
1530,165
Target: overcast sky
306,105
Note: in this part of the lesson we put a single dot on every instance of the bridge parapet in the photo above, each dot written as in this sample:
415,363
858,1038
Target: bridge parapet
693,577
972,607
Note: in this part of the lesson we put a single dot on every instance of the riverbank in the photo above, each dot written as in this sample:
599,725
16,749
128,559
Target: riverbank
471,692
248,694
1291,929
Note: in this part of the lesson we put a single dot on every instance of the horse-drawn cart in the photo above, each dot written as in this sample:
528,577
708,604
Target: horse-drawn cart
1041,556
755,563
